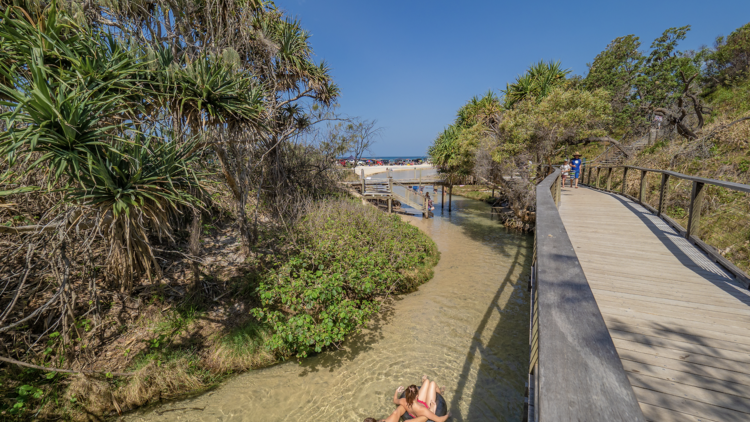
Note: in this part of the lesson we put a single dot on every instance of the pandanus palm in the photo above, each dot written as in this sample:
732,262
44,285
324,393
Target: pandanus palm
485,110
537,82
75,120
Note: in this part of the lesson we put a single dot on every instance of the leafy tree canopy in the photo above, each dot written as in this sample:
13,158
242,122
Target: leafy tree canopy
563,116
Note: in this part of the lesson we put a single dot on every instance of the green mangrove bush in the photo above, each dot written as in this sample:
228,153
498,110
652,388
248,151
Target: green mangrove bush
347,258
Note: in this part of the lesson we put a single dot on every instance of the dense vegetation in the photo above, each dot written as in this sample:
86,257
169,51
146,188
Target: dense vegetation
692,97
344,259
166,168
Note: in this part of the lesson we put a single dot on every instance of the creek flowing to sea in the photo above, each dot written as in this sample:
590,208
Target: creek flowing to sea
467,329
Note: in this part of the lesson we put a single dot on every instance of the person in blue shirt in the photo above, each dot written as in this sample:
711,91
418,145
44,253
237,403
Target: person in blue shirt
575,166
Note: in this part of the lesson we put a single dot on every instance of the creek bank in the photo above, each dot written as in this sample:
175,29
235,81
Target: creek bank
179,342
501,205
467,329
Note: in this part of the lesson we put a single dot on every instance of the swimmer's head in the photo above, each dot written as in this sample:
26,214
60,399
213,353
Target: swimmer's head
371,420
410,394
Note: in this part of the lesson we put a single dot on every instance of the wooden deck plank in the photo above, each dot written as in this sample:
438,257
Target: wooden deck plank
690,407
682,355
690,368
685,295
687,378
682,312
661,277
646,298
715,398
680,323
699,349
686,331
660,414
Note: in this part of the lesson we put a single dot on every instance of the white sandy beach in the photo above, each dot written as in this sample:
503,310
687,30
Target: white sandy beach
370,170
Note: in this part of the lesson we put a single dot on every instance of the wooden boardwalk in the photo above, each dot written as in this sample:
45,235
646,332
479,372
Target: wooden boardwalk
680,323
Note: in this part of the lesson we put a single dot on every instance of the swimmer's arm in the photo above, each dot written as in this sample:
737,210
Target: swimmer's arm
398,392
396,415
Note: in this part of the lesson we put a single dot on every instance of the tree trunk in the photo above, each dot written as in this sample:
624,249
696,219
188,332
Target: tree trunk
195,246
238,193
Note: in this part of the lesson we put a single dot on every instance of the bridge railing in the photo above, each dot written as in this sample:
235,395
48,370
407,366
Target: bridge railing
413,198
575,373
619,179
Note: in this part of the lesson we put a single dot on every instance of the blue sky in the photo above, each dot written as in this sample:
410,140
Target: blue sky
411,64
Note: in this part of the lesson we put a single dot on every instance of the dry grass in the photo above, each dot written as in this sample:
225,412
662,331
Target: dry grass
159,380
241,349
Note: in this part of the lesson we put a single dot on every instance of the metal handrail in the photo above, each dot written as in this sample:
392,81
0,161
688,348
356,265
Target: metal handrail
696,204
575,372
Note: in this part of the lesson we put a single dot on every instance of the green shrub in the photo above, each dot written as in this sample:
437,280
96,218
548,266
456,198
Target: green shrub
347,257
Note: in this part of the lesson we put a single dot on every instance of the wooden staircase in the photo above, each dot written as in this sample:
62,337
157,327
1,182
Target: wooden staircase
613,156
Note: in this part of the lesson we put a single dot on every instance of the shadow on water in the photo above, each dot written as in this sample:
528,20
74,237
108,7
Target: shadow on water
489,388
468,328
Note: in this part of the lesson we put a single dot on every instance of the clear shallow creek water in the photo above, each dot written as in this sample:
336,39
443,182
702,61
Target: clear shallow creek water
467,328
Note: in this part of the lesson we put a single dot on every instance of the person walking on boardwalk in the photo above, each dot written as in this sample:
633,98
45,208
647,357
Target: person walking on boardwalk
564,170
575,165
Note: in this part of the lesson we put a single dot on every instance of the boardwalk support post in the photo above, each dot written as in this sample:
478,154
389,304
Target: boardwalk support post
644,187
390,190
442,197
363,181
696,203
609,178
450,197
624,179
598,174
662,193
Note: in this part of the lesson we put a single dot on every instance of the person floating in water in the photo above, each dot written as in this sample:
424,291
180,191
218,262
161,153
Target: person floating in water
419,402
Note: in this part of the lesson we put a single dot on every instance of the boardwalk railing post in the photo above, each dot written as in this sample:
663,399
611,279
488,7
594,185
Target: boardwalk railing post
696,203
609,178
589,182
598,175
662,193
363,181
624,179
442,197
644,183
390,190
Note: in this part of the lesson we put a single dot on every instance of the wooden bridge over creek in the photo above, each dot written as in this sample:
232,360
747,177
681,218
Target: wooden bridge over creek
382,189
633,317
